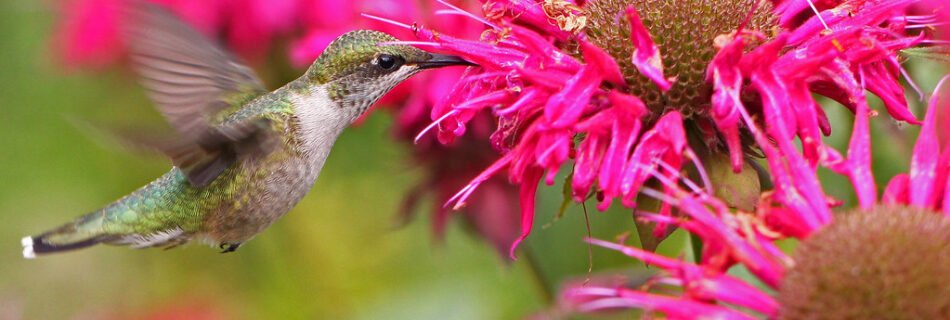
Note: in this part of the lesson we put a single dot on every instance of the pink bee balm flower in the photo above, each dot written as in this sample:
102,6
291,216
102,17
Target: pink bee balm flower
927,185
89,34
888,261
624,87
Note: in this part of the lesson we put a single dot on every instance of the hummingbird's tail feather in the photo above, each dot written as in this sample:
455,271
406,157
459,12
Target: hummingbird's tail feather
94,228
70,236
74,235
160,214
42,244
37,245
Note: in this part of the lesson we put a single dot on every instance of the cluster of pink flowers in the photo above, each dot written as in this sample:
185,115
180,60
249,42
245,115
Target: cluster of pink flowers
748,239
89,32
547,97
553,105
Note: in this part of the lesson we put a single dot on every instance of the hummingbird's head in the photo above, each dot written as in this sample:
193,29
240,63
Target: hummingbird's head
360,66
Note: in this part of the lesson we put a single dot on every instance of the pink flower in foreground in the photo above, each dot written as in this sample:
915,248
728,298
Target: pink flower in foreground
626,87
886,261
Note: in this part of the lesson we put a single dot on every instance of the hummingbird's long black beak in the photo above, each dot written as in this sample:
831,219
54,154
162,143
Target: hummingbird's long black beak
443,60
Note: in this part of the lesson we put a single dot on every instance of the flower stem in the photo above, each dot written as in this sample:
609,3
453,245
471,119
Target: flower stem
696,244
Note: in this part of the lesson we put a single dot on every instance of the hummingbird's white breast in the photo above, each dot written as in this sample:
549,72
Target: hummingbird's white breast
289,175
318,123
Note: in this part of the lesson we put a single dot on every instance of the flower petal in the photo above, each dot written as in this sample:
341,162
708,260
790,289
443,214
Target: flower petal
646,55
529,186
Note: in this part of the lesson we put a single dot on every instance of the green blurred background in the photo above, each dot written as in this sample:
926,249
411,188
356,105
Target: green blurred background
337,255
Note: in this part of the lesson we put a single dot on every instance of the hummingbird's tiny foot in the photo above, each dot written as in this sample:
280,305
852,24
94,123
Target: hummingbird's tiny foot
229,247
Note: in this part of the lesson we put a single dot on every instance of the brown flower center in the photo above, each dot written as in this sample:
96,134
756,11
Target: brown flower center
889,263
684,31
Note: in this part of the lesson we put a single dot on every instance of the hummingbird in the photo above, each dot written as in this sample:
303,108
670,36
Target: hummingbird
242,156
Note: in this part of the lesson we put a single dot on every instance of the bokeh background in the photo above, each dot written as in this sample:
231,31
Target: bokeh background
340,254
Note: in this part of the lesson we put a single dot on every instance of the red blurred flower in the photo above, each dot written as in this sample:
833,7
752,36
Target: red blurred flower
183,308
88,34
493,213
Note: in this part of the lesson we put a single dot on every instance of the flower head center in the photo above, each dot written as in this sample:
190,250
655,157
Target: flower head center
684,31
889,263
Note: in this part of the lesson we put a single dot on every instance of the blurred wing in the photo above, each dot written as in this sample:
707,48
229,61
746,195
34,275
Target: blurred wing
201,158
187,76
217,148
190,80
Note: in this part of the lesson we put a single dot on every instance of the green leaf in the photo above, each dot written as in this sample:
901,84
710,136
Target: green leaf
648,241
567,198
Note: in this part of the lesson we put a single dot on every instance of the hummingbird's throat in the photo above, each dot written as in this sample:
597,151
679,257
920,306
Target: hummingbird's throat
684,31
356,93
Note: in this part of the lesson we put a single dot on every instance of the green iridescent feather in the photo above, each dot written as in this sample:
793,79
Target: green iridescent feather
171,202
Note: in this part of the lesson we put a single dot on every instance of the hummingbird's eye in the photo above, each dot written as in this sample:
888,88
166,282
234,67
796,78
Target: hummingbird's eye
388,61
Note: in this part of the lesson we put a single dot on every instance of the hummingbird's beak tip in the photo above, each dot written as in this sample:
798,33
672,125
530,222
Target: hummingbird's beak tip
444,60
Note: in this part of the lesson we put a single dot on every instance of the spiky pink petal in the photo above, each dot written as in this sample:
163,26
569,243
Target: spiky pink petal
857,166
529,186
590,299
525,12
726,78
646,55
604,154
702,283
896,191
883,83
603,62
924,165
666,141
